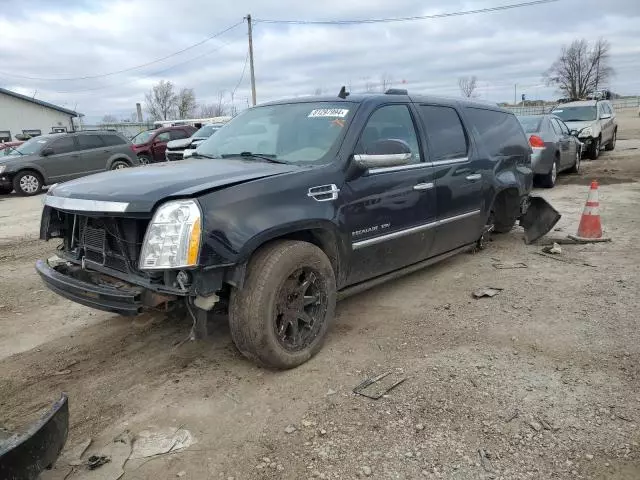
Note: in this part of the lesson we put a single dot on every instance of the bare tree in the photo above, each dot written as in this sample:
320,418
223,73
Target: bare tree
468,86
217,109
186,103
109,119
161,101
580,70
385,82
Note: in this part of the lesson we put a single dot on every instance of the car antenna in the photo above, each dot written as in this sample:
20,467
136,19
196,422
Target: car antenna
343,92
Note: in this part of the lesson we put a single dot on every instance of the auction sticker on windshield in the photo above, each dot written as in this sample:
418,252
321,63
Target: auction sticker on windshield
329,112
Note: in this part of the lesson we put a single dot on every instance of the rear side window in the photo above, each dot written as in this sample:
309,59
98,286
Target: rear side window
112,140
87,142
63,145
177,134
499,132
556,126
447,139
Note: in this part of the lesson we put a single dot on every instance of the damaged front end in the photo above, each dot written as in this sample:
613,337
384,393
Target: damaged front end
23,456
538,218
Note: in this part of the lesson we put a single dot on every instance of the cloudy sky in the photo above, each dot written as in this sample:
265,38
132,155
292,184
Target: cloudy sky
47,45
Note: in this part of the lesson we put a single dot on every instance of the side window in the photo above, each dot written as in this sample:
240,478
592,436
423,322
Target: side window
499,133
556,126
607,108
112,140
162,137
176,134
390,122
563,127
63,145
87,142
445,132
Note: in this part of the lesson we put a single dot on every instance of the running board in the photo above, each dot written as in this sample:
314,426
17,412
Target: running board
366,285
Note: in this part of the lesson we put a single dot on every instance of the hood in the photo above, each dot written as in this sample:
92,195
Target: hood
143,187
180,143
16,159
580,125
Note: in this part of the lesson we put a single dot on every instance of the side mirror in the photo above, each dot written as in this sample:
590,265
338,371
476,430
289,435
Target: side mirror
46,151
604,116
384,153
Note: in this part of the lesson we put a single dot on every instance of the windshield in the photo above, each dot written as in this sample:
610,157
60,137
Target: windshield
205,131
302,133
142,137
530,124
576,114
30,146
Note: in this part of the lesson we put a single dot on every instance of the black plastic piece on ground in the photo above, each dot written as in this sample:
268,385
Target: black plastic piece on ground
24,456
540,218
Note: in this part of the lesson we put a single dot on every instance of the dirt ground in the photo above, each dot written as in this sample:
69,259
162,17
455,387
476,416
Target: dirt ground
538,382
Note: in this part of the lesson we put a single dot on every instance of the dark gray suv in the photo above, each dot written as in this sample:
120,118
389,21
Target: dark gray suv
59,157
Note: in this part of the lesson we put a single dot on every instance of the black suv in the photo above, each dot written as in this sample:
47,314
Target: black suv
58,157
344,193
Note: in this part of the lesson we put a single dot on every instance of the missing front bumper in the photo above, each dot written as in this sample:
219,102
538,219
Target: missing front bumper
539,218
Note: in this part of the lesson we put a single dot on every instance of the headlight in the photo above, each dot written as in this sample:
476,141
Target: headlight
173,237
2,168
586,132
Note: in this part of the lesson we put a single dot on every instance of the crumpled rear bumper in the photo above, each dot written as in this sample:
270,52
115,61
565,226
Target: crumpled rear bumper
23,456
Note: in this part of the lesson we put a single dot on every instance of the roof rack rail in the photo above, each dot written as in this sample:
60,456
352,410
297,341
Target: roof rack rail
396,91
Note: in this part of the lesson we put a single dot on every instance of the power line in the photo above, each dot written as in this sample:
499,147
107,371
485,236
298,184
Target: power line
209,52
244,68
408,19
87,77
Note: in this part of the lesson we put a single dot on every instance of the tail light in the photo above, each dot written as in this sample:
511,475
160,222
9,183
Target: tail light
536,141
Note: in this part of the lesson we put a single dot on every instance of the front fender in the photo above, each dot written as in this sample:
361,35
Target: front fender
13,171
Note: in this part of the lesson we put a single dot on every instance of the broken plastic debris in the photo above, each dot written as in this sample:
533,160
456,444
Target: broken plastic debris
487,292
160,440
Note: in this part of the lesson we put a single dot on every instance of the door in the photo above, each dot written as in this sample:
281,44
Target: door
458,178
565,143
63,161
159,145
95,154
390,212
572,144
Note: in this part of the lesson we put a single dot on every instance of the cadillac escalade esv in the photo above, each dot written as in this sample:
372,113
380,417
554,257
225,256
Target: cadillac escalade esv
331,196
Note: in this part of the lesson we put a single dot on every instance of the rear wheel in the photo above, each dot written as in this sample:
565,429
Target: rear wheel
549,180
594,150
505,212
280,317
119,165
612,144
144,159
27,183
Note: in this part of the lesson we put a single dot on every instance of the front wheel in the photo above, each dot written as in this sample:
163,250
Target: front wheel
612,144
576,163
280,317
594,150
27,183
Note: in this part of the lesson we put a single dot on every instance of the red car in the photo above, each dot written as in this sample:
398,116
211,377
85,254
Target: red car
7,147
150,145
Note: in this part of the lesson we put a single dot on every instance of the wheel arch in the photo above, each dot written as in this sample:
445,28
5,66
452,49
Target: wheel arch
116,158
32,168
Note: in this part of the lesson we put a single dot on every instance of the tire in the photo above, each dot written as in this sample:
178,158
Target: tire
27,183
612,144
576,165
549,180
6,190
503,216
594,149
144,159
275,283
119,165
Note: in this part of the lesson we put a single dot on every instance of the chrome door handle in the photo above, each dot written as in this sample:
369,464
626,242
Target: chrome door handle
474,177
423,186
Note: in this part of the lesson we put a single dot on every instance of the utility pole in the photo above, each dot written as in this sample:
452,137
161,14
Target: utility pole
515,94
253,75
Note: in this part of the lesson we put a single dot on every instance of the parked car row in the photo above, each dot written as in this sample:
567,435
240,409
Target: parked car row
184,148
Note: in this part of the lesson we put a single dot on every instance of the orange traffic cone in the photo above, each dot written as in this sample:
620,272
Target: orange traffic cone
590,228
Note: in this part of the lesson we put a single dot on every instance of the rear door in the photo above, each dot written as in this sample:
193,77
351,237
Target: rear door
95,153
65,160
159,146
389,211
459,177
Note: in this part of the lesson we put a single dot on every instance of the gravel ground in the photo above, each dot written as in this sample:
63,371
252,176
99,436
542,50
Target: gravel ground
540,381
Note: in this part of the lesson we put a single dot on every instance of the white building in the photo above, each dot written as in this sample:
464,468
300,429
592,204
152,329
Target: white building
20,114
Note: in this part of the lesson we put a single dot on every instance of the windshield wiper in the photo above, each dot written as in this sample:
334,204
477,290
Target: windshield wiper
197,154
16,150
267,157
